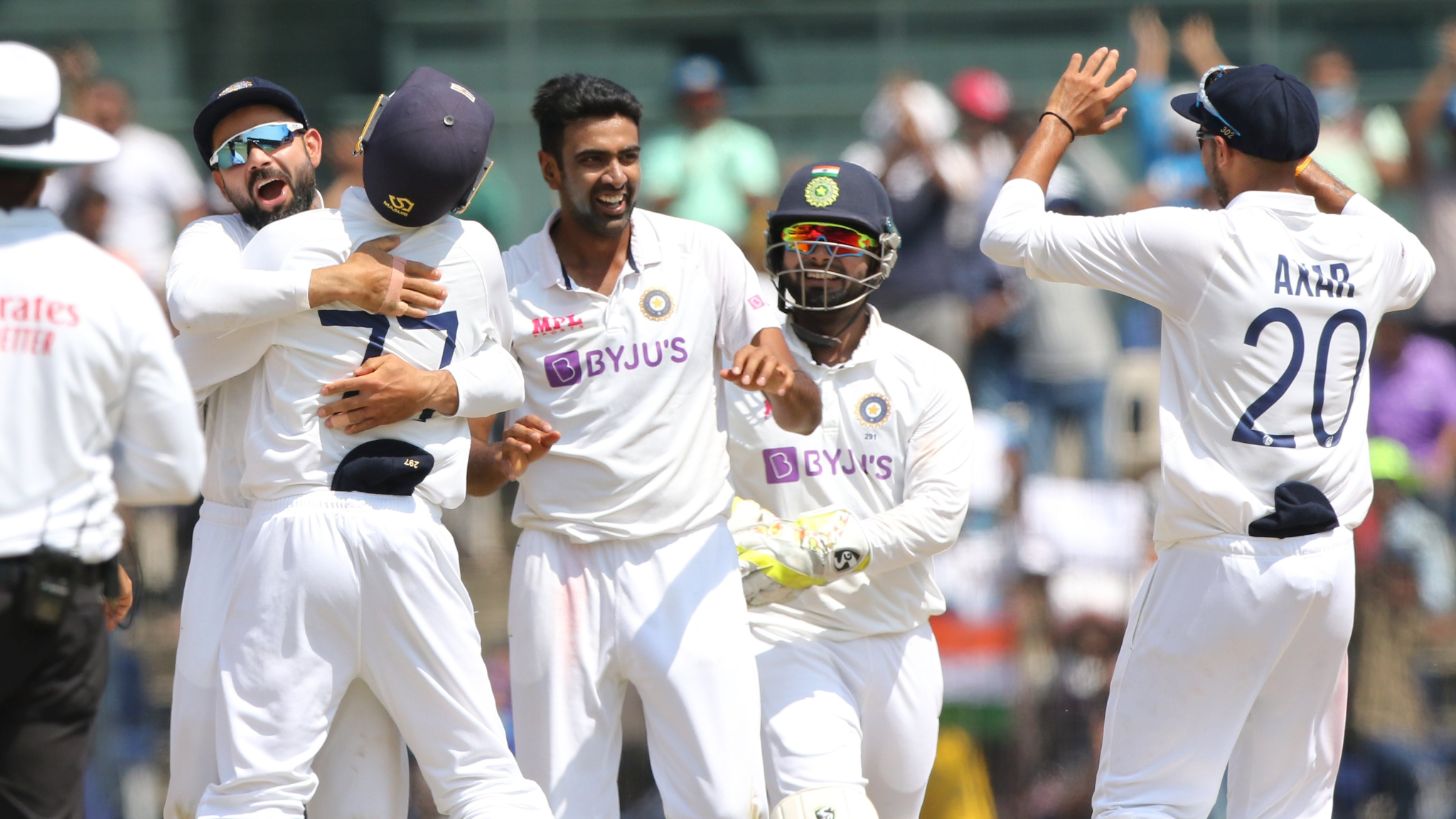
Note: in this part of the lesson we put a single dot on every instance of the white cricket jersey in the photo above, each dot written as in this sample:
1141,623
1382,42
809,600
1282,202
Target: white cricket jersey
1269,308
210,294
96,407
208,290
288,450
208,257
630,379
894,448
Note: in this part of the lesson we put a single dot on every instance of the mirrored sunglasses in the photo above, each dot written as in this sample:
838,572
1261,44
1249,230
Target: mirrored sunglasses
804,236
268,137
1205,103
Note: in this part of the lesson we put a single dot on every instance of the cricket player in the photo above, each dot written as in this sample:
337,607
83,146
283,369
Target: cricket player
625,571
96,413
254,134
349,574
840,591
1236,642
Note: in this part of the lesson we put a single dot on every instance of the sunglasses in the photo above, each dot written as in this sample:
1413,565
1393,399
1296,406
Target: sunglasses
268,137
368,131
804,236
1206,104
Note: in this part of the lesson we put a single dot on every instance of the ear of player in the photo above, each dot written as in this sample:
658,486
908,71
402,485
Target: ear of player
778,558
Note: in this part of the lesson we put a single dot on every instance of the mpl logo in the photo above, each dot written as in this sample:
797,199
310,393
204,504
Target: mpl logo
572,366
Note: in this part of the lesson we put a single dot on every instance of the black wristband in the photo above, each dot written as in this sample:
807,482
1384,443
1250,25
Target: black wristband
1061,119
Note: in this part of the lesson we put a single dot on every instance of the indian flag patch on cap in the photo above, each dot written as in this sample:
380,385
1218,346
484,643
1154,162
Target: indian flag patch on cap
824,170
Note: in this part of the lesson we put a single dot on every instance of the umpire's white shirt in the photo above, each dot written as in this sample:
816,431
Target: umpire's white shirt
630,379
894,448
96,408
1268,310
287,449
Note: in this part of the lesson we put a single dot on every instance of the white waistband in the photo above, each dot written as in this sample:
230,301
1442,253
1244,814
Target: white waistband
1337,538
329,500
222,514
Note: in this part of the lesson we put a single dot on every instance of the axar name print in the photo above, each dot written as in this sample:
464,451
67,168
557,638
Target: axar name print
1329,279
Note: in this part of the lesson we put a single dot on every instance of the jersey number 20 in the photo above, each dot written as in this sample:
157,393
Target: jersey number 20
1245,432
378,327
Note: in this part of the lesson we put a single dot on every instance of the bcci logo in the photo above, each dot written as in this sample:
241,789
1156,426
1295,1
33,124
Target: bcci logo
822,191
874,409
399,204
824,813
656,304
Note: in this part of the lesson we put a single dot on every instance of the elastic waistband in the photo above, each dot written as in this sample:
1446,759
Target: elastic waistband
221,514
649,542
1337,538
331,501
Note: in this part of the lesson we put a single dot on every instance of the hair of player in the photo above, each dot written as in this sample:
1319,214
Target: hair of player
18,186
568,98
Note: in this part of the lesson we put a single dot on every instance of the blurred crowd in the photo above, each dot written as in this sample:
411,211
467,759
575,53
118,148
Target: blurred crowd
1064,383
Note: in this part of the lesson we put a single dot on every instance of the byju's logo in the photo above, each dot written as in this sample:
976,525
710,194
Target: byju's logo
787,464
570,367
781,464
563,369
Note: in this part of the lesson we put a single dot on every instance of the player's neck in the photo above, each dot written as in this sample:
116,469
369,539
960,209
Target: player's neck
833,337
591,260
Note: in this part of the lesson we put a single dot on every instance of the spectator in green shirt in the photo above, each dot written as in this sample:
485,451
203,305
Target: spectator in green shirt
711,168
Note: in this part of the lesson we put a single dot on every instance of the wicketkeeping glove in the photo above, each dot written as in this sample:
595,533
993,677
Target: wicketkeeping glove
778,559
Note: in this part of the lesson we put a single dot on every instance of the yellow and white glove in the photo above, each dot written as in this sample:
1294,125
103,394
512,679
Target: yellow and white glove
777,559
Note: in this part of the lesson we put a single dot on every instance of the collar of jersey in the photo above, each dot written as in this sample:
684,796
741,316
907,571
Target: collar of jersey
30,220
868,350
646,247
1274,200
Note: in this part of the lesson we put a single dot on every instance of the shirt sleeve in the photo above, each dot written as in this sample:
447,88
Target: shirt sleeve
489,380
1410,266
158,451
1150,255
937,483
209,291
742,308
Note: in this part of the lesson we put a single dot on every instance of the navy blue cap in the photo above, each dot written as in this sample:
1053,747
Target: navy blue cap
383,467
426,148
1275,114
836,192
235,95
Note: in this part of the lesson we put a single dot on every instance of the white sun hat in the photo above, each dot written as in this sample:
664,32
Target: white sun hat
33,132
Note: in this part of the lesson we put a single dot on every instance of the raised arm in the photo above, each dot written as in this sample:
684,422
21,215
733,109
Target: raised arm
209,291
767,366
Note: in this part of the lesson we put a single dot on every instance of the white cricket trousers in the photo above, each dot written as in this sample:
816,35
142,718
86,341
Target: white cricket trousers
665,614
861,713
361,768
1234,656
345,586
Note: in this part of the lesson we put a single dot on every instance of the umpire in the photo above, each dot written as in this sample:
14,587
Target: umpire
96,411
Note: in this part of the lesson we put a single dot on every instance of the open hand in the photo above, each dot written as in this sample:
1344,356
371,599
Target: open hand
757,369
1082,95
524,443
